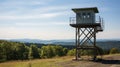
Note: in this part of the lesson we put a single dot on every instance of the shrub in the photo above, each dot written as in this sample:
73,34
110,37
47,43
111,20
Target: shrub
71,52
114,51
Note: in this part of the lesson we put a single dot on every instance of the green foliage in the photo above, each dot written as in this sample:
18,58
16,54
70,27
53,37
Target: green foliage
19,51
39,52
2,55
65,50
58,50
51,51
71,52
98,51
35,51
12,51
30,55
114,51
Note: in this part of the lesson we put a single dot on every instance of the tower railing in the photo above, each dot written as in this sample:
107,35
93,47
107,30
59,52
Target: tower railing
98,19
72,20
101,21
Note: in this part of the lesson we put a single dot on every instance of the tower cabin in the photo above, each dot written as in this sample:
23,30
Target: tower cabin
85,17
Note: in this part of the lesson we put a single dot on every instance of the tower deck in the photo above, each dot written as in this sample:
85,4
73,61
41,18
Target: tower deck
85,25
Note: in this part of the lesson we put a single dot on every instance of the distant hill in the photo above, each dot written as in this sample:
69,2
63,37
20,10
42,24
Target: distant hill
104,43
109,44
41,41
29,40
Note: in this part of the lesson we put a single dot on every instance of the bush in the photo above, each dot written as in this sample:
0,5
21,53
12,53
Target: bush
71,52
50,51
114,51
82,52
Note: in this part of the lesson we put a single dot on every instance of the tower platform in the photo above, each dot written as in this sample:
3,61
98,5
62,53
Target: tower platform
85,25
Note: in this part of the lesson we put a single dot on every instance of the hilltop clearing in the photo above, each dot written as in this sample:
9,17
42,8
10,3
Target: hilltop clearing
108,61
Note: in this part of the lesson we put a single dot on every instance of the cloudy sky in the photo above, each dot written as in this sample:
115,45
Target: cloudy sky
49,19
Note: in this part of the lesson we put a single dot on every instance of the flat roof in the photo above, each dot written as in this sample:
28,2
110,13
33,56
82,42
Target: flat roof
88,8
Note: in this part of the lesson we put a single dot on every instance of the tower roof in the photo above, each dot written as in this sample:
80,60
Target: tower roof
89,8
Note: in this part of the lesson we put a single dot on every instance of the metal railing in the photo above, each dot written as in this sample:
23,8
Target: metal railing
72,20
101,21
98,19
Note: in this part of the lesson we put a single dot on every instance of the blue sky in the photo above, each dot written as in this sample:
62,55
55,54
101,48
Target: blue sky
49,19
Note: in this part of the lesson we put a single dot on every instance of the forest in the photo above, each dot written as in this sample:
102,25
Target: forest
28,51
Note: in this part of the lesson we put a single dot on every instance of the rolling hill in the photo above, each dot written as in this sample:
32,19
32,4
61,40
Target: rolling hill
103,43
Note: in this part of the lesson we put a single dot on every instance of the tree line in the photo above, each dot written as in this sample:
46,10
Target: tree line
20,51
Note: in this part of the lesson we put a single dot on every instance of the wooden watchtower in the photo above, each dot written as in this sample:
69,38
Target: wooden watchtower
86,27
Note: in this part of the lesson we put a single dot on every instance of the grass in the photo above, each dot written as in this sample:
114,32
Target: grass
53,62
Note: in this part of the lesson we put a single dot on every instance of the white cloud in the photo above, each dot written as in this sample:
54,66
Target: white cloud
22,17
48,33
40,24
108,34
14,3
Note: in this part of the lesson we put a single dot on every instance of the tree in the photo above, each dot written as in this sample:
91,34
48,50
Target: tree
7,50
43,52
2,55
30,55
25,54
19,50
65,50
51,51
47,51
12,50
71,52
33,52
39,51
114,51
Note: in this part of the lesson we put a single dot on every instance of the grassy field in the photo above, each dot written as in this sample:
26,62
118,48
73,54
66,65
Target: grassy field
61,62
53,62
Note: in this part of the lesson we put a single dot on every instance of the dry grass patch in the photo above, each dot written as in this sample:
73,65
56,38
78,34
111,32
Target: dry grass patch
65,61
37,63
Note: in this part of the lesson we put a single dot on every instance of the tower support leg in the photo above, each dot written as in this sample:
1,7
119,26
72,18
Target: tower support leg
76,42
94,58
77,38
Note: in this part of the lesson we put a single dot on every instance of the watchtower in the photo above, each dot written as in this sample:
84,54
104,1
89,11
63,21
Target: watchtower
86,26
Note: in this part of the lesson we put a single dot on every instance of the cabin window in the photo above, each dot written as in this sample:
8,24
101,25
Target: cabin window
84,15
79,15
88,15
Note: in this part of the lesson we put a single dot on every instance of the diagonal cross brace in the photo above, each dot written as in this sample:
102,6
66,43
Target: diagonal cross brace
90,33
